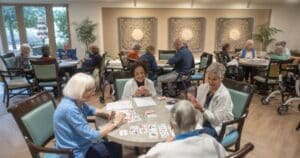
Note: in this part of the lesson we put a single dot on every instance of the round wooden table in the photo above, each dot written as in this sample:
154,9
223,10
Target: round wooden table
161,110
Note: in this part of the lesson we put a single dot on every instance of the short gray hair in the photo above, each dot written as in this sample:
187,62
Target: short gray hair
77,85
183,116
218,69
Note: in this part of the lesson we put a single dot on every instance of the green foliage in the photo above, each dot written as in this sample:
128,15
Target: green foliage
31,15
10,17
85,32
265,35
61,21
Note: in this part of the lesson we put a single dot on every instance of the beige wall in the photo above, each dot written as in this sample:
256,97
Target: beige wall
110,28
283,16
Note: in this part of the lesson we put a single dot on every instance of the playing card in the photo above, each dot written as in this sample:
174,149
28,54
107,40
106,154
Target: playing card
131,116
163,130
133,130
143,129
152,130
123,132
150,113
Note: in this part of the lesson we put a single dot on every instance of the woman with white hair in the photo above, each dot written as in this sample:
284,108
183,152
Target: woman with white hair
188,143
22,60
71,128
213,101
249,53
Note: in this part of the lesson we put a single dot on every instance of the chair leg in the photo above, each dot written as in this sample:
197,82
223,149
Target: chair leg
4,94
7,98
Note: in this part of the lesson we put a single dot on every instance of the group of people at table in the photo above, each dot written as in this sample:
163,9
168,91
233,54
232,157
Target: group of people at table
88,64
212,99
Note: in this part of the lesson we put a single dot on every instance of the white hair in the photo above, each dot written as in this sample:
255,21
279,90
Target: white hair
249,41
25,46
218,69
183,117
77,85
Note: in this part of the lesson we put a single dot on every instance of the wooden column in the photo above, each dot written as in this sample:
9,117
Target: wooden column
51,31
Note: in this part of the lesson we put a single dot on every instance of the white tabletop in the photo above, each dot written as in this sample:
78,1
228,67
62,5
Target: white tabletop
67,63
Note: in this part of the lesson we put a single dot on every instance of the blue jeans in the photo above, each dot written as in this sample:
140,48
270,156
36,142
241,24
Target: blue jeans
105,150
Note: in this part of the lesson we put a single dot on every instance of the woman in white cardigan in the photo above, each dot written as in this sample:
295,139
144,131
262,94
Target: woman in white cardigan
213,100
188,143
139,85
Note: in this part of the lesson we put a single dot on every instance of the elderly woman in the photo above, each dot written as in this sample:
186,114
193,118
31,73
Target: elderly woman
139,85
22,61
249,53
213,101
71,128
187,143
92,61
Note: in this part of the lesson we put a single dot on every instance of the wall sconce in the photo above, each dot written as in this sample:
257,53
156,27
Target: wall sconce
187,34
234,34
137,34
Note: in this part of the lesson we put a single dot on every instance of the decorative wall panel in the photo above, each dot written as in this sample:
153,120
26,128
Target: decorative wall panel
136,31
190,30
235,31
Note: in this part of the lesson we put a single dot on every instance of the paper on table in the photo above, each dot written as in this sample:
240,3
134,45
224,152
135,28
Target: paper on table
144,101
119,105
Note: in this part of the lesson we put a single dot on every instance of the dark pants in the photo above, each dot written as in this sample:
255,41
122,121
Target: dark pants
208,129
105,150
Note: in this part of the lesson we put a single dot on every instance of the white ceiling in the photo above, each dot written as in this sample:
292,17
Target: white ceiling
161,1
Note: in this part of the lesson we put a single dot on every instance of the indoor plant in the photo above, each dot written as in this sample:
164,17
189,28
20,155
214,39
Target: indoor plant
265,35
85,32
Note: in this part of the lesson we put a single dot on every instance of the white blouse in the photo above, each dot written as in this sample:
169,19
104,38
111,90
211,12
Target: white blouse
131,86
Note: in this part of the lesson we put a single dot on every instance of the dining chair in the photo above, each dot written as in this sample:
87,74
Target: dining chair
205,60
34,117
241,94
120,79
46,74
242,152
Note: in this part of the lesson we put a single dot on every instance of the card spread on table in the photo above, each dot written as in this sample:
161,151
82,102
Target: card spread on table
131,116
152,131
123,132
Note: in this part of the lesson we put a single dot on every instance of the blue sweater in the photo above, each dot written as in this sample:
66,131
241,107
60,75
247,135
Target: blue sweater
152,65
71,128
183,60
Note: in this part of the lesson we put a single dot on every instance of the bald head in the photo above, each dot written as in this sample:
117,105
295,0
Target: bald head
178,44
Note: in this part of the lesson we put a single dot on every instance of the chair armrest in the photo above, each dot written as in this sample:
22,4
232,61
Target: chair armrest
227,123
242,152
39,149
91,119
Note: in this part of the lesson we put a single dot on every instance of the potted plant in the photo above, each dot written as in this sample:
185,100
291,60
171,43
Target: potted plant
265,35
85,32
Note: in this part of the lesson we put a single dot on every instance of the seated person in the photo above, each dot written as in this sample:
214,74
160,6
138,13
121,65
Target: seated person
71,129
285,49
183,62
22,61
133,55
149,58
187,143
224,54
67,52
139,85
92,61
249,53
278,53
213,101
45,49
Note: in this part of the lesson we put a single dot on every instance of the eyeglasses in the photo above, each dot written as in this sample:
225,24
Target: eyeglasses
91,90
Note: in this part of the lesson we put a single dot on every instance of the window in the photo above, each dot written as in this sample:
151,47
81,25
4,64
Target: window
11,27
37,27
60,26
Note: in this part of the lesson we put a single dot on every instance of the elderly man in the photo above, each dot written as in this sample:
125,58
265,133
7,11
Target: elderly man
187,143
183,61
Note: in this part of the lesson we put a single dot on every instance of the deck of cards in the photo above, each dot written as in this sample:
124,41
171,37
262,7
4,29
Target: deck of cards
131,116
